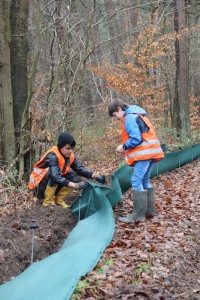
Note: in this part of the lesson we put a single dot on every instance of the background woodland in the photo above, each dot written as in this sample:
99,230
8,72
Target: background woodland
62,62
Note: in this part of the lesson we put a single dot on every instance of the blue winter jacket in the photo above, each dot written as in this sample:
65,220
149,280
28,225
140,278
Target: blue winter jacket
134,126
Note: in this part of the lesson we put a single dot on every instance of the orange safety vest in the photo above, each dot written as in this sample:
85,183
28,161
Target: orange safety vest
149,148
38,173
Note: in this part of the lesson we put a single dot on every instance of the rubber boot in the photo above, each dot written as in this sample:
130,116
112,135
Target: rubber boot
151,203
62,194
140,207
49,195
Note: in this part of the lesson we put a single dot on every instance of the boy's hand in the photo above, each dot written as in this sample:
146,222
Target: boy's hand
120,150
99,178
82,185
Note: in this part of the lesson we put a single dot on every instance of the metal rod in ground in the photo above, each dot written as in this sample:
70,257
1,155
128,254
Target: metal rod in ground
33,227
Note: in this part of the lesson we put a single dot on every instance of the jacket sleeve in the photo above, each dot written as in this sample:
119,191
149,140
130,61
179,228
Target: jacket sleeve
81,170
55,174
133,131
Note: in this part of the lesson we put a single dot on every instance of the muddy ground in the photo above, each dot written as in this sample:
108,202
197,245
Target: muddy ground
18,237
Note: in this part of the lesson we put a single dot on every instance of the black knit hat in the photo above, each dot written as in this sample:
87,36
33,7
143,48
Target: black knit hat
64,139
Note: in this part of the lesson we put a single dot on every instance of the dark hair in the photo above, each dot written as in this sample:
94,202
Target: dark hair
113,106
64,139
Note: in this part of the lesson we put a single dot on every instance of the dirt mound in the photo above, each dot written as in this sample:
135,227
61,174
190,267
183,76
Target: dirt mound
17,238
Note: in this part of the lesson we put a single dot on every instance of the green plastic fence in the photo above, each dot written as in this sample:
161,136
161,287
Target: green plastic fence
55,277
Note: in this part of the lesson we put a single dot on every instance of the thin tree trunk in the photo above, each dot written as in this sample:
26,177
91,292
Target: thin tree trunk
19,52
181,109
7,139
194,18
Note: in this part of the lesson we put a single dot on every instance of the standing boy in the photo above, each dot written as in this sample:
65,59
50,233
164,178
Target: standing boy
141,148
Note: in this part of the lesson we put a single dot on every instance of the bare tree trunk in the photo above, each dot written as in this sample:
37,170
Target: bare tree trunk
7,139
19,51
181,109
194,18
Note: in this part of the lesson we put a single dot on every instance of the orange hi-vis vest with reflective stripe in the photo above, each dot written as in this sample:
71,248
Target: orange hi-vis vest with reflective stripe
149,148
38,173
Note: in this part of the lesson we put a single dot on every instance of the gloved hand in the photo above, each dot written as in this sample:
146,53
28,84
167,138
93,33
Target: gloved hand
82,185
100,178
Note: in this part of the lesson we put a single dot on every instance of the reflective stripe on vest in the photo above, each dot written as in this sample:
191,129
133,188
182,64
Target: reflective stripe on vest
149,148
36,177
38,173
61,160
36,170
143,152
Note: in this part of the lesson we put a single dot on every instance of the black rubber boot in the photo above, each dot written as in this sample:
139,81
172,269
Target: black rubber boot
140,207
151,203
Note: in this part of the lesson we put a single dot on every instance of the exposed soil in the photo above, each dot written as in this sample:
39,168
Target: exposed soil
18,239
169,243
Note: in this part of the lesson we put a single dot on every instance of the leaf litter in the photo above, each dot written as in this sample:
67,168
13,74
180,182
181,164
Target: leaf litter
157,259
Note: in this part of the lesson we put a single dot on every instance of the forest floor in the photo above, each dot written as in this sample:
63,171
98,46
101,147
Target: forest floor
158,259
